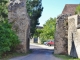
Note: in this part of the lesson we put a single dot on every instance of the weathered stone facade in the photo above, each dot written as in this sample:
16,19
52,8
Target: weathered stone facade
60,45
67,36
74,36
20,21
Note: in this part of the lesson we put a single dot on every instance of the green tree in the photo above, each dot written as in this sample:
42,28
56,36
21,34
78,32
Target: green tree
48,30
37,32
3,9
34,9
77,9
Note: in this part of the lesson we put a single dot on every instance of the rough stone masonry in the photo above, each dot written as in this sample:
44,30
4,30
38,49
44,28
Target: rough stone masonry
74,36
20,21
61,35
67,37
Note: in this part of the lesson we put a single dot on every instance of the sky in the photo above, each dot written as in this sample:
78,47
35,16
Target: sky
53,8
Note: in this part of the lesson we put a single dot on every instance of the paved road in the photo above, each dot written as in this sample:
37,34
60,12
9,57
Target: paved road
40,52
37,46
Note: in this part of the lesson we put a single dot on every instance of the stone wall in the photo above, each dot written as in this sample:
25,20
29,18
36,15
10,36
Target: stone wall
35,40
74,36
39,40
20,21
67,36
60,45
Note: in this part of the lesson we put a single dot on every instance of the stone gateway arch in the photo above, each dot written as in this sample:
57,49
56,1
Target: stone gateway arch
18,17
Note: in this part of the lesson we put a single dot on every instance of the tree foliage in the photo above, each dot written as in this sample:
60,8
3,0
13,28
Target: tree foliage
48,30
77,9
34,9
3,9
8,38
38,32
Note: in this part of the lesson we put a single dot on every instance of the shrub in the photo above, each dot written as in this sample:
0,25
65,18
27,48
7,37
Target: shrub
8,38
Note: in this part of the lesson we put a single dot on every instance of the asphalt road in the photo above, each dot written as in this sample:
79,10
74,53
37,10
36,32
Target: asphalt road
39,52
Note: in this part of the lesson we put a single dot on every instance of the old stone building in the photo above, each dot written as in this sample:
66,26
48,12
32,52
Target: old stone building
61,35
67,37
36,39
20,21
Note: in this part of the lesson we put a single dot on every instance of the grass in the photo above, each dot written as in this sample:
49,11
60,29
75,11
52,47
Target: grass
14,54
66,57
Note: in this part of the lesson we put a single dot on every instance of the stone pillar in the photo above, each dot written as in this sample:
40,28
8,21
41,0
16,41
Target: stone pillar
39,41
20,21
32,40
60,41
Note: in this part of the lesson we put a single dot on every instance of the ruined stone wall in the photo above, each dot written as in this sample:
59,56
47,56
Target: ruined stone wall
60,45
74,36
67,36
78,43
20,21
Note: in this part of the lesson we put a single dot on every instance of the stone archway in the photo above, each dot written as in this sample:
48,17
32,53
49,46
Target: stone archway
20,21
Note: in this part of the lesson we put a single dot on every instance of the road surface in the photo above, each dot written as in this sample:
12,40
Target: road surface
39,52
